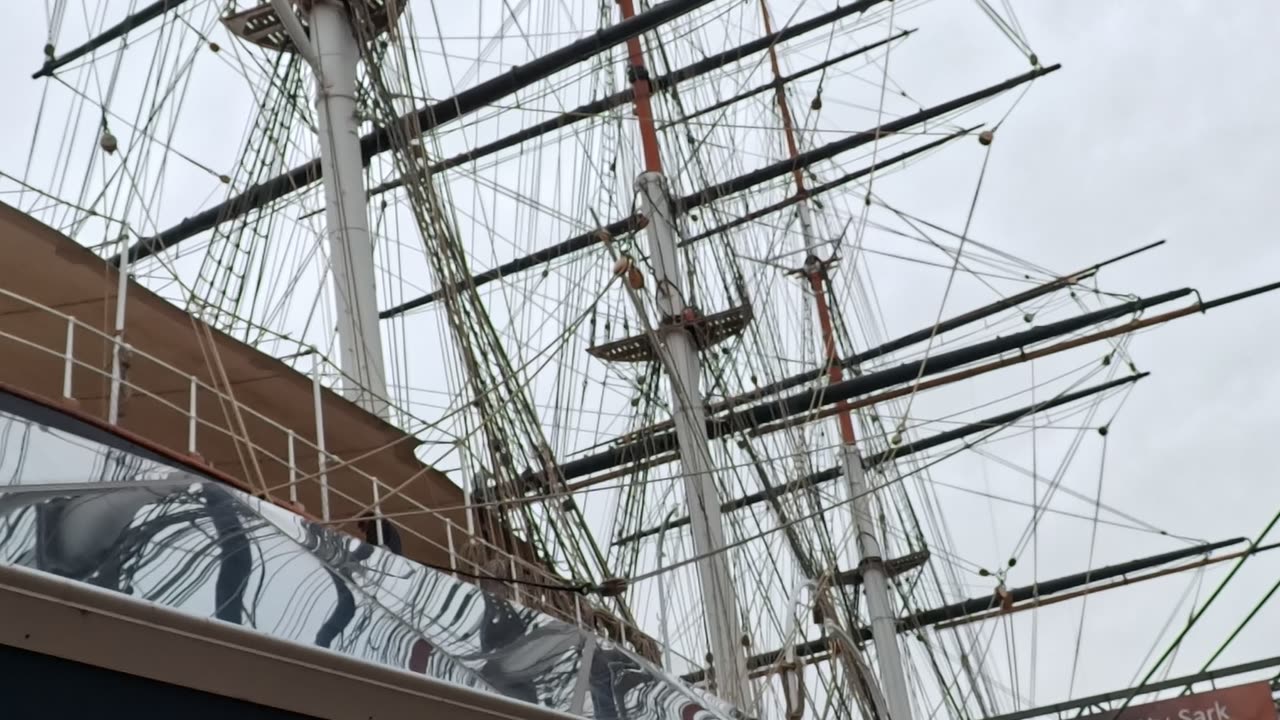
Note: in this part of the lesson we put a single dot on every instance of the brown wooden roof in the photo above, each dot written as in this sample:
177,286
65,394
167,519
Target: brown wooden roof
41,264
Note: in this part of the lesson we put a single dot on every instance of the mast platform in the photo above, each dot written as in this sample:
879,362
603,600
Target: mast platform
707,331
261,25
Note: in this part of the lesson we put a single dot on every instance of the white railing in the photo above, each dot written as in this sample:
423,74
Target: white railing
519,569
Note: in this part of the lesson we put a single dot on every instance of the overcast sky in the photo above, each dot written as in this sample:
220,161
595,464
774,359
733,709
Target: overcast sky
1159,126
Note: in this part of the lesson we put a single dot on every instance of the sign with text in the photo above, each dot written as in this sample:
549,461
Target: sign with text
1242,702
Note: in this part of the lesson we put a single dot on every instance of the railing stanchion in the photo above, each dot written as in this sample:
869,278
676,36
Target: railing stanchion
70,357
515,583
377,514
320,452
293,472
191,417
453,556
117,348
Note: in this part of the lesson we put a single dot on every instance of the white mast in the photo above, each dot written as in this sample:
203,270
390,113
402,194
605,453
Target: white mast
333,52
350,247
689,416
884,621
875,580
875,577
676,350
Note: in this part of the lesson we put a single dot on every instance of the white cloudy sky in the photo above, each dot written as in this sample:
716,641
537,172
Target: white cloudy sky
1159,126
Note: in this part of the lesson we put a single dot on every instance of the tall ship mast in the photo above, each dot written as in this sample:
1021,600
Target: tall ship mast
389,358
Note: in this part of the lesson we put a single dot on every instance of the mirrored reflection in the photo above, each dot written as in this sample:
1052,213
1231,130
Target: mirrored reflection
88,506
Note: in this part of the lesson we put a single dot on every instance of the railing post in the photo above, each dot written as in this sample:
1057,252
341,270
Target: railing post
70,357
466,497
515,583
293,472
377,514
320,452
453,556
192,423
579,698
117,368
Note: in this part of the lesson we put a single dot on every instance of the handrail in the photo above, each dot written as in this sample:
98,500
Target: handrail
296,444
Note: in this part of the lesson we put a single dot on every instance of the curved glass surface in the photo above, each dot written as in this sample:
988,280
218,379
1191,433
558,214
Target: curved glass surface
89,506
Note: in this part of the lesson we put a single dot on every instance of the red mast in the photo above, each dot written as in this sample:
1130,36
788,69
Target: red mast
870,554
639,76
780,94
816,272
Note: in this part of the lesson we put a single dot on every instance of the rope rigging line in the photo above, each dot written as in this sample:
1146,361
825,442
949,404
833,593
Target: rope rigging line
501,371
842,502
1199,613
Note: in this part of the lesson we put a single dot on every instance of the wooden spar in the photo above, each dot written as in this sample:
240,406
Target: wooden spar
806,563
871,555
145,15
746,94
1132,326
904,341
947,325
815,272
826,187
1036,602
426,118
799,663
822,476
958,610
682,362
804,403
856,140
633,224
992,423
730,187
661,83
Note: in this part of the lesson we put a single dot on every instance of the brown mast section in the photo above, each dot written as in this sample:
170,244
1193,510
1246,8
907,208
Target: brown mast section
780,94
815,271
638,74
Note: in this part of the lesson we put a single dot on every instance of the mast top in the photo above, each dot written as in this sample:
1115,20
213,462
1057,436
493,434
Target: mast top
262,25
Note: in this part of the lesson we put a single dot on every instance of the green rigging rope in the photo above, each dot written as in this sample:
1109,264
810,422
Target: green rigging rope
1243,623
1195,617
